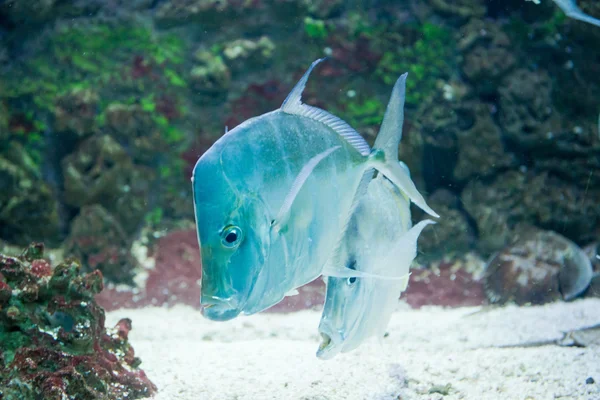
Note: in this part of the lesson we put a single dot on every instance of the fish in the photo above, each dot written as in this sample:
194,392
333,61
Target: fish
571,9
380,240
274,195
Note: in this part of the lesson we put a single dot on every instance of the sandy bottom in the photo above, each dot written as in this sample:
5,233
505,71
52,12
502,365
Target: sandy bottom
431,350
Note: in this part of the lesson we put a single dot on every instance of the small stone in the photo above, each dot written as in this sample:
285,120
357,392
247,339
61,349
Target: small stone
590,381
443,390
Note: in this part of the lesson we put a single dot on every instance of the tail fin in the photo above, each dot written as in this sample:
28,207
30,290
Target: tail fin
384,156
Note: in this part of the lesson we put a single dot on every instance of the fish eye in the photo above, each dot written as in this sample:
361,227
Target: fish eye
350,281
231,236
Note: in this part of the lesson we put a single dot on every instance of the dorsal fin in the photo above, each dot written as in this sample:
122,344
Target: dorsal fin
293,105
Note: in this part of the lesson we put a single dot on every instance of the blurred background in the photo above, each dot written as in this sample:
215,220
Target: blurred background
105,106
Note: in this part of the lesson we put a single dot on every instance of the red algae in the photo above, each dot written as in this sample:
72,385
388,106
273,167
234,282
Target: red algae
175,278
55,343
451,287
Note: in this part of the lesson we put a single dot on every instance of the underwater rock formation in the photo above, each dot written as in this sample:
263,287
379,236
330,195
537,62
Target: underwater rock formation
540,267
540,199
240,54
93,171
75,112
487,53
28,209
210,76
54,342
481,150
100,242
525,104
136,130
451,235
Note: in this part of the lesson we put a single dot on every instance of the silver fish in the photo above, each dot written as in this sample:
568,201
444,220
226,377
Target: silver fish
571,9
273,197
379,241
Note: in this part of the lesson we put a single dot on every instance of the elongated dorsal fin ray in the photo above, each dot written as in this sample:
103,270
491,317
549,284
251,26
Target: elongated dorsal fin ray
293,105
400,177
405,250
303,175
390,132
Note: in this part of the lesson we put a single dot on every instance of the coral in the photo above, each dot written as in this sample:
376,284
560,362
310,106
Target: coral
245,54
540,267
487,55
54,342
28,209
100,242
540,199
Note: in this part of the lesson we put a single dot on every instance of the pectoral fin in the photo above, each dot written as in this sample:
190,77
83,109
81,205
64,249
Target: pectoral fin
283,214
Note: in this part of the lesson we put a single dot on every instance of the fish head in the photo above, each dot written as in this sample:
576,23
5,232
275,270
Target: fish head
342,314
233,232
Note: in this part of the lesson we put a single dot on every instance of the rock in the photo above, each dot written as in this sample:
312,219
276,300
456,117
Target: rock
210,76
463,9
487,55
100,242
54,342
134,128
543,200
481,151
451,235
26,11
205,11
540,267
243,54
75,112
325,8
28,209
94,170
4,133
525,106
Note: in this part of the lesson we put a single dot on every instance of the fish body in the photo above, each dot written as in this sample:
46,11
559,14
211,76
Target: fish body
380,241
571,9
272,200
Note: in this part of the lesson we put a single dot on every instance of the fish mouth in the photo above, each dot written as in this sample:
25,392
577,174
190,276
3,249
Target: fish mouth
217,309
331,345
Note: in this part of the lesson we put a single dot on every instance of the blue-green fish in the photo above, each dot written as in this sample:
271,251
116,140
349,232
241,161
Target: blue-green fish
571,9
273,197
379,241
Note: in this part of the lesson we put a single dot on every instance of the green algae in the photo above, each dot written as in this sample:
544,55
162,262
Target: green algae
426,60
315,28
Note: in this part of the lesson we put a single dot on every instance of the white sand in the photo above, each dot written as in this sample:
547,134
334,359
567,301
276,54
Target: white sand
270,356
